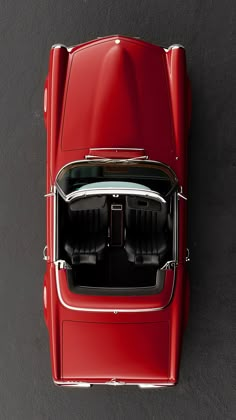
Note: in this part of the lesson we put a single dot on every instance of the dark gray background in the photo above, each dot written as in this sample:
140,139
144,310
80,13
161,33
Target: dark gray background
207,376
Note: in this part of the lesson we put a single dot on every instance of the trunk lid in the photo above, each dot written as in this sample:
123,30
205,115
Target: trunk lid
115,351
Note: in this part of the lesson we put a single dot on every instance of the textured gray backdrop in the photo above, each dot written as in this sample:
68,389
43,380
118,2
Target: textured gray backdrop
207,379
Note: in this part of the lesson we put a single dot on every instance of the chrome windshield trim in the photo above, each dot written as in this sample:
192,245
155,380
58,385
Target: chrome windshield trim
60,191
120,191
60,263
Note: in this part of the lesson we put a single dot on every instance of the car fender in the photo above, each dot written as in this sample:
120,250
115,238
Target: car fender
181,105
55,84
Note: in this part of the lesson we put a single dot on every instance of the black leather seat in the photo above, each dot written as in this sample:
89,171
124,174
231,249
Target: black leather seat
146,231
88,230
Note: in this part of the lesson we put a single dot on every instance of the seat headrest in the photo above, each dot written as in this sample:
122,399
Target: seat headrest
88,203
142,203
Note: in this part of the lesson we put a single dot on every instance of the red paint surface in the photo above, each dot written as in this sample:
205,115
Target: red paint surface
109,348
129,95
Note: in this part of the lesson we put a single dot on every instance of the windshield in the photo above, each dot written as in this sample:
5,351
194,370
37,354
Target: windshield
153,175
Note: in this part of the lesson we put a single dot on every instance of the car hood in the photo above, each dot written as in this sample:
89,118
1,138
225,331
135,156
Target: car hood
118,95
121,351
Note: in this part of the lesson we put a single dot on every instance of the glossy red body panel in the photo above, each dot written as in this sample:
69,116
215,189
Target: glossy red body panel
105,94
123,348
121,85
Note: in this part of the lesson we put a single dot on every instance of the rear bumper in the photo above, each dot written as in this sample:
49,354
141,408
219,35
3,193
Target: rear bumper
75,384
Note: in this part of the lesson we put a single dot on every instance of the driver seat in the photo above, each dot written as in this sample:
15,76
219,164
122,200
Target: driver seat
88,230
146,231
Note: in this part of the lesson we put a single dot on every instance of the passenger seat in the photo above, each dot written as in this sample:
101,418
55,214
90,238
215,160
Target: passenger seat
88,230
146,231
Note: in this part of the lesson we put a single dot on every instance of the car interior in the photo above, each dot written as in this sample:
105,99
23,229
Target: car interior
114,240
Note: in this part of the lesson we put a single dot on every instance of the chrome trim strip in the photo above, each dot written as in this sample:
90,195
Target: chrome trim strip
187,258
87,157
182,196
119,191
54,46
112,382
164,384
60,191
117,148
45,99
115,311
54,223
168,264
176,228
73,384
45,297
175,46
45,256
49,194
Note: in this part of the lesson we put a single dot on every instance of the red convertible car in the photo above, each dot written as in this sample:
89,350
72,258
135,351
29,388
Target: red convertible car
116,292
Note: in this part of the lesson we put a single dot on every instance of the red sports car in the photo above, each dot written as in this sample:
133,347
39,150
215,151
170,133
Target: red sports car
116,291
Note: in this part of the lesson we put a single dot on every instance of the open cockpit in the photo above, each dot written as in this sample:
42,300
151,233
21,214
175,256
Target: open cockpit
116,233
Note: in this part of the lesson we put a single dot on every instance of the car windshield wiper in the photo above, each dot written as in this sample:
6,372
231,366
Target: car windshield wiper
105,160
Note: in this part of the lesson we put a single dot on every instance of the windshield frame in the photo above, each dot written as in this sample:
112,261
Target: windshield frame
103,161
